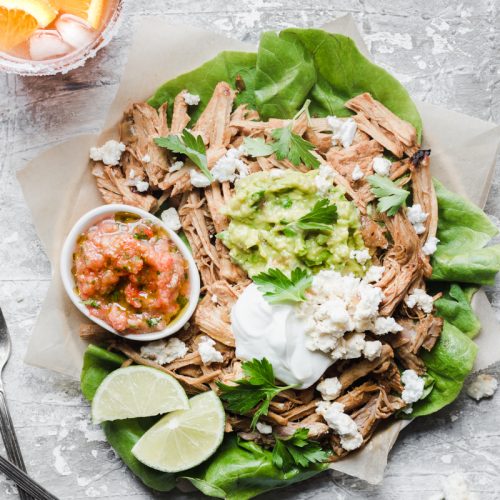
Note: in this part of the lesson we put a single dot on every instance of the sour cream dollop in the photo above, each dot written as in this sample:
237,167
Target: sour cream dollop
276,333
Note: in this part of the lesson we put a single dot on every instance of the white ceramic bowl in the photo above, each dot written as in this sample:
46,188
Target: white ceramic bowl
98,214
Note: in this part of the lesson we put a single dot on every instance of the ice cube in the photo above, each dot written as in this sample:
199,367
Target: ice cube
47,44
75,31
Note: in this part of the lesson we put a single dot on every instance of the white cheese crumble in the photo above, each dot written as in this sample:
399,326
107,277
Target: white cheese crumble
207,351
191,99
384,325
177,165
430,245
343,130
455,488
342,424
230,167
264,428
198,179
324,179
164,352
417,217
275,173
361,256
372,349
413,386
418,298
483,386
214,299
357,173
109,153
170,218
141,186
381,166
330,388
146,158
374,274
338,310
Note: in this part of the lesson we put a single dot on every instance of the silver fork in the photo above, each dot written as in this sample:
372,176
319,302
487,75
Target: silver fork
6,426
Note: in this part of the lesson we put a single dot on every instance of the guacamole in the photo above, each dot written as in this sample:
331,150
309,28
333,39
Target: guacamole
261,232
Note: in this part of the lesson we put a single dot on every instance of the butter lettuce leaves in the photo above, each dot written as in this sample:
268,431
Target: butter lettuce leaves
464,230
299,64
235,68
449,363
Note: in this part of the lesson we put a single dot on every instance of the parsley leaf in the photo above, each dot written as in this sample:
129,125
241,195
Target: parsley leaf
320,218
292,146
390,196
255,391
257,147
278,288
190,145
297,450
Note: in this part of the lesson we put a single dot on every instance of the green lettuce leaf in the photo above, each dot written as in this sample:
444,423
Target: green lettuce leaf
464,230
242,470
449,363
455,307
299,64
225,67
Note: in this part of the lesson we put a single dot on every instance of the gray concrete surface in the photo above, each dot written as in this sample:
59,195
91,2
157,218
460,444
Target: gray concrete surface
445,52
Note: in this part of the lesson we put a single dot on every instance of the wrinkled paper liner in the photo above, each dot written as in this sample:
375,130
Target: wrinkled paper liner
59,188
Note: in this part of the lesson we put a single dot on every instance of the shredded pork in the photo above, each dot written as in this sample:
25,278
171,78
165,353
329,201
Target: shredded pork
371,390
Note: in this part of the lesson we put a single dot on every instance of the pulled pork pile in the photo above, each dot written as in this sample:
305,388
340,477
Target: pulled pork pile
371,390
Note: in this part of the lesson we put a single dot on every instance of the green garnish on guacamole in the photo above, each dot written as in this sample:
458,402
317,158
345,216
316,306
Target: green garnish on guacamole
263,230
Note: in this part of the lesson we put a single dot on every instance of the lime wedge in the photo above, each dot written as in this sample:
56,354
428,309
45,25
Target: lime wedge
137,391
184,438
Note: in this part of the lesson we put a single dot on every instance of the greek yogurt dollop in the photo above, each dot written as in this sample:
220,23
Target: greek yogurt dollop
278,334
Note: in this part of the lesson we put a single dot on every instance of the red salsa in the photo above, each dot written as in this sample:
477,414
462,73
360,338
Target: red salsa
130,274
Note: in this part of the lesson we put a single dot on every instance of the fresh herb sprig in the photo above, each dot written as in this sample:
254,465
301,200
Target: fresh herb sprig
279,288
320,218
190,145
254,392
390,197
291,146
287,144
297,450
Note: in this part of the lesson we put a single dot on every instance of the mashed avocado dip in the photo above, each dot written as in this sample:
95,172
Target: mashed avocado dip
264,205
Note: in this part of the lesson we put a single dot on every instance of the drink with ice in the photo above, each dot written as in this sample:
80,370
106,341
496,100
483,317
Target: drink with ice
50,36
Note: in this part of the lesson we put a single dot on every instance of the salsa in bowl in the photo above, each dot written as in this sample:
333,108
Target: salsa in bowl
129,273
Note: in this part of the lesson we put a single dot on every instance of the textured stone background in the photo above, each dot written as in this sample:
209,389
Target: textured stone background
445,52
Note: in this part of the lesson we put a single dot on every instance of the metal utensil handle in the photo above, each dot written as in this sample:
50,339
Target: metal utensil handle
24,481
10,439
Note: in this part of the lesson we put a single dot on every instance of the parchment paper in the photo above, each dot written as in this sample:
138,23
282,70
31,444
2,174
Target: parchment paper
463,157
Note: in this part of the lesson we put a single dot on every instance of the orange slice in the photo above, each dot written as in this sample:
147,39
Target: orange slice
89,10
20,18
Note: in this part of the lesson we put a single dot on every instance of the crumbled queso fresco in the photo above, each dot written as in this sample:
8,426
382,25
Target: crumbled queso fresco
109,153
330,388
418,298
230,167
198,179
417,217
381,166
343,130
483,386
170,218
357,173
430,245
191,99
338,310
207,351
341,423
164,352
413,386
